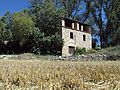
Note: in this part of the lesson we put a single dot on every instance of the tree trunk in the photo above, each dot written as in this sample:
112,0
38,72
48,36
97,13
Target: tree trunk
67,9
101,38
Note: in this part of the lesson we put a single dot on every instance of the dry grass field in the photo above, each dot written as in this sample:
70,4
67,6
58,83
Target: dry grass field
59,75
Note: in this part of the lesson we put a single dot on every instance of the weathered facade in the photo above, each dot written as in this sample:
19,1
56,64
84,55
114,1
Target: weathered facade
75,34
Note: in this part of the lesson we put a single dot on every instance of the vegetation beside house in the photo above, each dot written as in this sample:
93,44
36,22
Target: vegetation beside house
110,50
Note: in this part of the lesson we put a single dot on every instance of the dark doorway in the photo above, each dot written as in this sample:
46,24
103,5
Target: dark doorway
71,49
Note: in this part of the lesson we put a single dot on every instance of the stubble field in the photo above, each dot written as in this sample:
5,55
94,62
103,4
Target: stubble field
59,75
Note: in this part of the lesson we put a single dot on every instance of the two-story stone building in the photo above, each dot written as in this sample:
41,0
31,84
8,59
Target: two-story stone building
75,34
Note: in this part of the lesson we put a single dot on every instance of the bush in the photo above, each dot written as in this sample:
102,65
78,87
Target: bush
51,45
79,51
91,51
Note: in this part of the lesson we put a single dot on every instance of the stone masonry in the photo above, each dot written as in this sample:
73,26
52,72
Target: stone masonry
75,36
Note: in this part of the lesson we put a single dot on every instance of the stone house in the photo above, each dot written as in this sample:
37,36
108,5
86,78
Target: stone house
75,34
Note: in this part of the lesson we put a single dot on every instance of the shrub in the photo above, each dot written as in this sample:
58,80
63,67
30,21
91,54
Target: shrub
79,51
44,45
91,51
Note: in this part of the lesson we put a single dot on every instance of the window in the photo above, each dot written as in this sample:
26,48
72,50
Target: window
71,49
82,27
68,23
84,38
71,35
75,26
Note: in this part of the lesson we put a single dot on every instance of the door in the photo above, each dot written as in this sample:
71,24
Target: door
71,49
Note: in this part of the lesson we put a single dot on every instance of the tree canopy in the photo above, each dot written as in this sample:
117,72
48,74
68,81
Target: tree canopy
22,25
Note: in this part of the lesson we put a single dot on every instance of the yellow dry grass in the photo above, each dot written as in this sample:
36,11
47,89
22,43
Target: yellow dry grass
59,75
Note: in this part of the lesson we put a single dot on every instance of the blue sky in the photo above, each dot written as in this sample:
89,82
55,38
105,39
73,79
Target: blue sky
13,6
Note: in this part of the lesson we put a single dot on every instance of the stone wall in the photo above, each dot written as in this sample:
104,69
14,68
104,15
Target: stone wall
89,57
77,40
92,57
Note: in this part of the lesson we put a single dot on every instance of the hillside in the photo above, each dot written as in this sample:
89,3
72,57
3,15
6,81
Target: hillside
110,50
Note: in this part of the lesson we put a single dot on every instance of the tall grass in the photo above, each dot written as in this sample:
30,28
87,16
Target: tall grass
59,75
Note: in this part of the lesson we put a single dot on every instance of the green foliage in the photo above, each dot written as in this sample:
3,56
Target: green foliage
110,50
37,43
79,51
15,29
115,23
35,30
5,27
22,25
91,51
2,28
116,37
47,18
46,44
106,17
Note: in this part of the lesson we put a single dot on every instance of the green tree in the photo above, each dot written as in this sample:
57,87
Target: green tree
114,22
5,30
104,13
47,19
2,28
22,26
